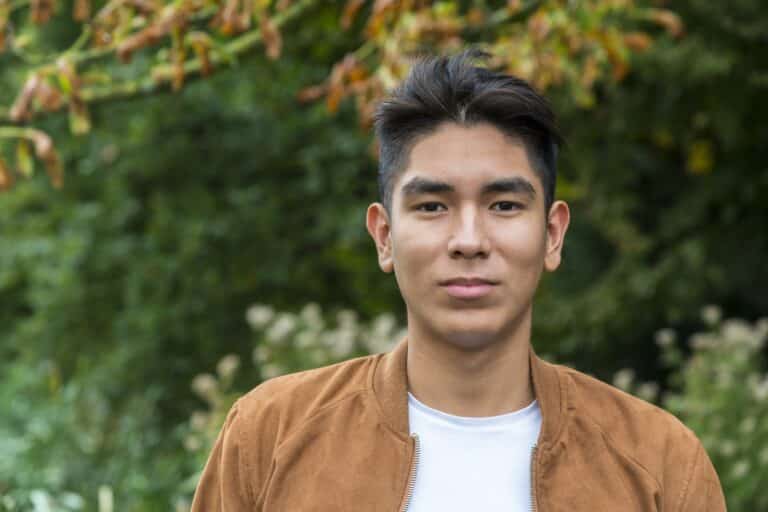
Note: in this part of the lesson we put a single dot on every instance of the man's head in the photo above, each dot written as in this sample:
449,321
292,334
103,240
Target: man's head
468,220
452,89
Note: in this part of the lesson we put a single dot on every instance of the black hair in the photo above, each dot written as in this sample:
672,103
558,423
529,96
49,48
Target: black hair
441,89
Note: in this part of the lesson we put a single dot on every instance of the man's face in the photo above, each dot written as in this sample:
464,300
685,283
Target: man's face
468,235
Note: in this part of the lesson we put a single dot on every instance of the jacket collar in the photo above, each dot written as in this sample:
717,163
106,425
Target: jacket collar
390,386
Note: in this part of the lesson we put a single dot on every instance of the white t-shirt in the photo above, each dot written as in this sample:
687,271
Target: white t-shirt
473,464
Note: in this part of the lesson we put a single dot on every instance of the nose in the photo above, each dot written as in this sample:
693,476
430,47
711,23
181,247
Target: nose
469,238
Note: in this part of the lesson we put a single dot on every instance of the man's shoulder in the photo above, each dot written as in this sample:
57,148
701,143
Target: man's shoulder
637,429
302,394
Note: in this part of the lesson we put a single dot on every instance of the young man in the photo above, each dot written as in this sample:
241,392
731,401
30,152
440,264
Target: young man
461,415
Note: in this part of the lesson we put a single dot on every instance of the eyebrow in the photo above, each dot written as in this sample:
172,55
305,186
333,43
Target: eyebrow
516,185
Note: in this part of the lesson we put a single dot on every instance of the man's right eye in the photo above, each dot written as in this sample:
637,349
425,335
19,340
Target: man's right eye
429,207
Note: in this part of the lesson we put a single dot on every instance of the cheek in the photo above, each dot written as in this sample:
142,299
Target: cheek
523,243
414,254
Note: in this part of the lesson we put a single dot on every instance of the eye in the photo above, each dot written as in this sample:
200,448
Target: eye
506,206
431,207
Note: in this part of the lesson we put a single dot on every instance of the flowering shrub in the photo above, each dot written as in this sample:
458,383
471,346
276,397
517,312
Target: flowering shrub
720,391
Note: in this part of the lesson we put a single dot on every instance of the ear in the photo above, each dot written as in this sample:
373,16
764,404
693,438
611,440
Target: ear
557,224
377,222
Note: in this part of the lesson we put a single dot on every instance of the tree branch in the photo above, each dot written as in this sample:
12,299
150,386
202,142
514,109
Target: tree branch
161,76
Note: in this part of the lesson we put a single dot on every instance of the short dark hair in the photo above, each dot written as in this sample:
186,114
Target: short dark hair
441,89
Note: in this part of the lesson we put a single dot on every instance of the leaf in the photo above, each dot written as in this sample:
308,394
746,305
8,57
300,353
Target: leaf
350,11
6,176
273,41
79,119
311,93
46,152
24,161
5,10
82,10
701,157
178,56
21,108
48,98
41,10
667,19
638,41
201,45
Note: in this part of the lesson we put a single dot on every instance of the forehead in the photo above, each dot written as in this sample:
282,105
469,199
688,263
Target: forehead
468,157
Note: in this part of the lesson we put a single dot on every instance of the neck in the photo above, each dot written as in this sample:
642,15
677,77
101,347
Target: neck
486,380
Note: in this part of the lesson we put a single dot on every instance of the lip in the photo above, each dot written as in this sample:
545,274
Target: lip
468,287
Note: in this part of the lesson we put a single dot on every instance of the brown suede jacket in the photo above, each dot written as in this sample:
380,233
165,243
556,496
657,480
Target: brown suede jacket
337,439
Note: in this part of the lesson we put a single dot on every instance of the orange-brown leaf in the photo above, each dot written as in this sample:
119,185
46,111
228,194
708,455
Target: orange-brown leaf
201,45
669,20
539,25
21,108
46,152
41,10
152,34
48,97
513,6
638,41
6,176
82,10
311,93
350,11
273,41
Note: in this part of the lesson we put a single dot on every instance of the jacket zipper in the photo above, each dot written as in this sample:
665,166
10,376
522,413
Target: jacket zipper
412,474
533,478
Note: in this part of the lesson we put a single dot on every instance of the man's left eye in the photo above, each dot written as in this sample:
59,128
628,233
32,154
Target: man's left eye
506,206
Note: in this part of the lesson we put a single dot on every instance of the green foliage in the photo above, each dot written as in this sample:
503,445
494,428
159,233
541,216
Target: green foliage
725,401
720,391
180,211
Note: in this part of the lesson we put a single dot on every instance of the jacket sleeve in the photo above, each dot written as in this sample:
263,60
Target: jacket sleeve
224,484
703,491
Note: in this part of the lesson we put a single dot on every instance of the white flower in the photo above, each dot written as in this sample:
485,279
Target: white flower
383,325
205,385
740,469
227,366
261,354
192,443
665,337
271,370
306,339
702,341
259,315
199,420
106,499
760,390
623,379
346,318
648,391
763,457
711,314
343,343
727,447
283,325
748,425
738,332
311,314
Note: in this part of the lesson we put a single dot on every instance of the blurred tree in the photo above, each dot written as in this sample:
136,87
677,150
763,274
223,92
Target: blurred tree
571,44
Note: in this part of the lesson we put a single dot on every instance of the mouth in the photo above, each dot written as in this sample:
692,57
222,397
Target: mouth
469,287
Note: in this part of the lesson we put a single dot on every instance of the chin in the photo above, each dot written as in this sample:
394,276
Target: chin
468,338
